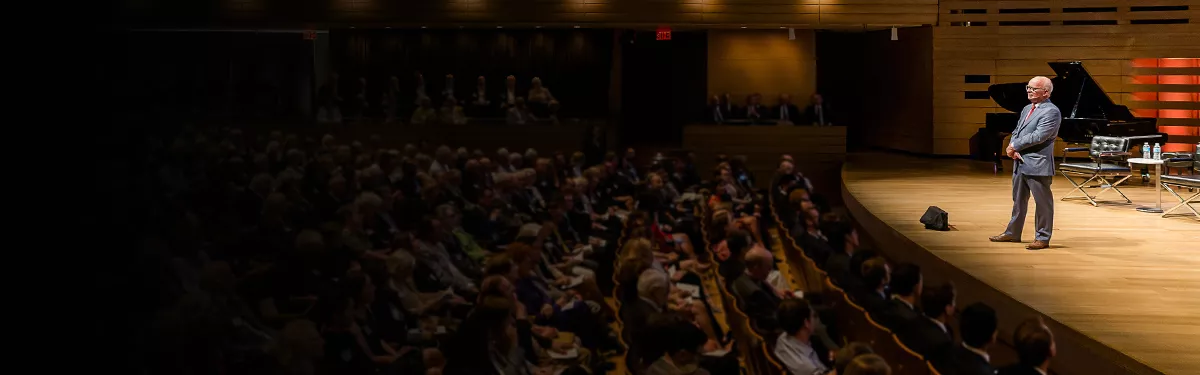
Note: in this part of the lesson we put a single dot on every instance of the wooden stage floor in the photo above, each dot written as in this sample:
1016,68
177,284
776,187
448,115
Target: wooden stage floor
1126,283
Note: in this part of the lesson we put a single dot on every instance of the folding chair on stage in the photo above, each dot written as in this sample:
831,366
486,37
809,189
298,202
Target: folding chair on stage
1107,169
1190,182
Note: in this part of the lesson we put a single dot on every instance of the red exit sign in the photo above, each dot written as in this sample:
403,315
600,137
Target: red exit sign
664,33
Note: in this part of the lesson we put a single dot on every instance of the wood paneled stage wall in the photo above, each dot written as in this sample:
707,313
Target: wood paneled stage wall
1144,53
742,62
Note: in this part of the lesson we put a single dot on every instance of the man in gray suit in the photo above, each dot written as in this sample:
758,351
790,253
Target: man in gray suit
1032,151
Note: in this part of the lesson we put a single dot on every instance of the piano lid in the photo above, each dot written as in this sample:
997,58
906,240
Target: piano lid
1075,93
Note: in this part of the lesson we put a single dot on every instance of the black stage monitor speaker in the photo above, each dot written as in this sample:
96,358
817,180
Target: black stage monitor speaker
936,218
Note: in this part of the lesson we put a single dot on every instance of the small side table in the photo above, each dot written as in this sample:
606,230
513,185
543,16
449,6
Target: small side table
1157,163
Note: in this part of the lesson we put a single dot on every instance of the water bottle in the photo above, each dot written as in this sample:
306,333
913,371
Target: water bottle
1146,150
1157,152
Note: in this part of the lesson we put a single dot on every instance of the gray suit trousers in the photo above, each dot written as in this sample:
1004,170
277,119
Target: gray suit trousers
1039,186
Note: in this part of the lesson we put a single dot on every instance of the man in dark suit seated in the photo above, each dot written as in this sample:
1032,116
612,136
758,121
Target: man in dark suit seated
755,296
653,288
873,296
717,112
1035,347
929,335
817,112
814,242
978,325
837,265
786,111
901,310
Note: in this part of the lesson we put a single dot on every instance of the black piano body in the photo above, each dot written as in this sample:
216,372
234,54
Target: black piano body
1087,110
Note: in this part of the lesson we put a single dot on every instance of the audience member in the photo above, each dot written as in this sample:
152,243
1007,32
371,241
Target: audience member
844,356
480,104
653,288
1035,347
876,274
785,110
682,352
758,299
929,336
868,364
451,113
518,114
754,109
425,113
901,310
977,323
817,112
794,346
508,98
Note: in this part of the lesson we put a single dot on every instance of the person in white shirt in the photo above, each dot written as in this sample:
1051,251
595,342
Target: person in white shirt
443,160
794,346
509,97
518,114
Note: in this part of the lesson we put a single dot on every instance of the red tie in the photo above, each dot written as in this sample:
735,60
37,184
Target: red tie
1031,112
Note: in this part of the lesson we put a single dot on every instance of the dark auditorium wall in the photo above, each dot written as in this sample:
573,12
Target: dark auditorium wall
573,64
191,76
662,85
742,62
881,88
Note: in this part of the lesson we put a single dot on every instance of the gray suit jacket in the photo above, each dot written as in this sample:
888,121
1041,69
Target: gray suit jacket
1034,139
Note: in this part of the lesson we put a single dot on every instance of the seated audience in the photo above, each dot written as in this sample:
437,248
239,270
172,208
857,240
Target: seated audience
977,323
786,111
652,290
868,364
794,346
844,356
817,112
1035,347
481,104
425,113
716,112
837,265
929,336
901,310
451,113
681,352
518,114
758,299
754,109
876,274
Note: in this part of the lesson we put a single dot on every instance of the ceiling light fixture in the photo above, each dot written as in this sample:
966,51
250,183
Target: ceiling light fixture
576,26
743,27
499,27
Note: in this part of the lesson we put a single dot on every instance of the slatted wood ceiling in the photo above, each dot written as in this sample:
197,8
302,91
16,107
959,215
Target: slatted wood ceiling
1016,53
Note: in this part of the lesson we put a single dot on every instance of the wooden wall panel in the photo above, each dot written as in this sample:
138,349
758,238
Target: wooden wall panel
741,62
1016,53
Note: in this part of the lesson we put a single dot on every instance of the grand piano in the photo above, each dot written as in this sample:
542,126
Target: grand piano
1087,110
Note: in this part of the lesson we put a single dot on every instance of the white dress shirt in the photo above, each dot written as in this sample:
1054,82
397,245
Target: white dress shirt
799,357
981,353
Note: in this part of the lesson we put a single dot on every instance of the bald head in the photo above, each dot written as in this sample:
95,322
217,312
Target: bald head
759,262
1039,89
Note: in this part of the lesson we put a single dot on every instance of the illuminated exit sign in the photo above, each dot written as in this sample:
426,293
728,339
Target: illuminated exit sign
664,33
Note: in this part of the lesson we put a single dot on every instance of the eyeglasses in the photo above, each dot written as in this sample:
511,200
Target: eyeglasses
1031,88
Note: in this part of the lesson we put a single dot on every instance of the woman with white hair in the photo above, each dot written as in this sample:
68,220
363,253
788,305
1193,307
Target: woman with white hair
539,98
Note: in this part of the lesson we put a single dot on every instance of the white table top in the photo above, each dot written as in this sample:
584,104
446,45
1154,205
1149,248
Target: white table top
1145,161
